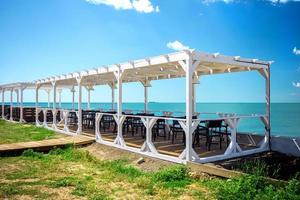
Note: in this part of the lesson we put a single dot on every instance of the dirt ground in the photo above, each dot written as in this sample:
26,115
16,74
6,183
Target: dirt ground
104,152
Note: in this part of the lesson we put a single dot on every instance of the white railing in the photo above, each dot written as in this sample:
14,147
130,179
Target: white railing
55,124
148,147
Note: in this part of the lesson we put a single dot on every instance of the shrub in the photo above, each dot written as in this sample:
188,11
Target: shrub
254,187
121,167
32,154
173,173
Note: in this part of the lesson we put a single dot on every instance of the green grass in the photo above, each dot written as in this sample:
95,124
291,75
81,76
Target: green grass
75,173
253,187
82,175
15,132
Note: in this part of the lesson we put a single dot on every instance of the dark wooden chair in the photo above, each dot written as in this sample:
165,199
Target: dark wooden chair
160,126
88,119
138,124
108,122
128,124
176,129
29,114
213,129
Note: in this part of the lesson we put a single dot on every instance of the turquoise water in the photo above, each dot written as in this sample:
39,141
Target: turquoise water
285,117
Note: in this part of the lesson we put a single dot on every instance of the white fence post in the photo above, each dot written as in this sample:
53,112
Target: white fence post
233,146
37,105
120,119
54,111
148,145
3,92
11,105
189,66
97,126
21,104
79,115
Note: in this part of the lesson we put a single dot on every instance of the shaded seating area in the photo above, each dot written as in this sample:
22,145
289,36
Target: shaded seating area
29,114
209,135
16,113
213,131
179,138
7,111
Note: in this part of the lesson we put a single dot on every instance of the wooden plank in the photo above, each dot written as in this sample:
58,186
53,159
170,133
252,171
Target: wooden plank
47,144
213,170
224,173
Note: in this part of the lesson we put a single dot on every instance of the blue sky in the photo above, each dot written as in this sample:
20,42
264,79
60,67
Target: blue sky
41,38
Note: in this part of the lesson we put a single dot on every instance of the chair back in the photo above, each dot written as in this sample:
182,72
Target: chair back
214,123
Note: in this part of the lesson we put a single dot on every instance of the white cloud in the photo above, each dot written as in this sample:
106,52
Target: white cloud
215,1
231,1
144,6
177,46
296,51
296,84
282,1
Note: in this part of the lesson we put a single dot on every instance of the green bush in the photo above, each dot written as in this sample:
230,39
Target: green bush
32,154
173,173
175,176
122,167
254,187
260,168
71,154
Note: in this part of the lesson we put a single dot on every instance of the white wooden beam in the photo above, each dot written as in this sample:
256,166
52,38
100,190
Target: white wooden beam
21,104
79,82
119,139
3,93
73,97
54,112
11,104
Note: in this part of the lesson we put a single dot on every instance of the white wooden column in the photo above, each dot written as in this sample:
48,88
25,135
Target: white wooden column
112,87
194,92
145,99
79,116
267,120
89,89
233,146
268,104
21,104
3,92
120,119
146,84
54,111
11,104
189,107
48,95
59,98
113,98
18,97
73,97
189,126
37,104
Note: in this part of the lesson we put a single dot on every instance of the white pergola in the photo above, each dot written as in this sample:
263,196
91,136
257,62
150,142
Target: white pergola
190,64
19,89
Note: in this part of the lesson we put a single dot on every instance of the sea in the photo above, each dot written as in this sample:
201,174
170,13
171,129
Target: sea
285,117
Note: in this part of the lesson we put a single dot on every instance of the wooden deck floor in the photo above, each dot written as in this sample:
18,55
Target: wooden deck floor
165,145
45,145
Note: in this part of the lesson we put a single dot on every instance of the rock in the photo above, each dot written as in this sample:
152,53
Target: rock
140,161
